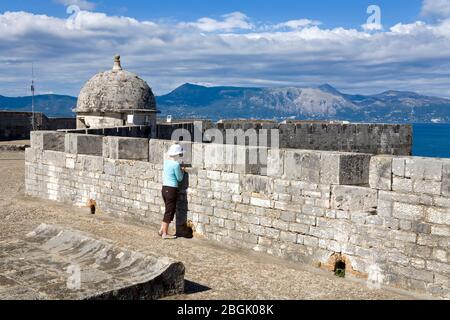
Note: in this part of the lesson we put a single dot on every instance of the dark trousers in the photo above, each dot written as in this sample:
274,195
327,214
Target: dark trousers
170,196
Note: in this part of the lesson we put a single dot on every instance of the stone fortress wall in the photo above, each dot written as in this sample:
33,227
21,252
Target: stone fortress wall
311,135
331,136
386,218
15,125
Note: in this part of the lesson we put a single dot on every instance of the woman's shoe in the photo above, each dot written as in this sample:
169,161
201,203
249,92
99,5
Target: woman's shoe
168,237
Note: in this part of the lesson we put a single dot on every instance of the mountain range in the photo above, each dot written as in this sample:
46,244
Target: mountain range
315,103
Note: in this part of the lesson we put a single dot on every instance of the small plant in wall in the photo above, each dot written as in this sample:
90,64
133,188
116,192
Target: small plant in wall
339,269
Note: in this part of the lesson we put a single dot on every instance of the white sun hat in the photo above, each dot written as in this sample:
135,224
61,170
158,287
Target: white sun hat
175,150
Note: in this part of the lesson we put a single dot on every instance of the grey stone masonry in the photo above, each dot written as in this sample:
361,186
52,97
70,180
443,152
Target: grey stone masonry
84,144
47,140
392,139
125,148
325,167
410,174
388,217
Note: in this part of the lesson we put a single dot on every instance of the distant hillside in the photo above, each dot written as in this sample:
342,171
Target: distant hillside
319,103
51,105
316,103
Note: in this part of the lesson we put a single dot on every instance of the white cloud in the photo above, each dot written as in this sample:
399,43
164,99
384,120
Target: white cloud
297,24
439,8
230,22
82,4
227,52
372,27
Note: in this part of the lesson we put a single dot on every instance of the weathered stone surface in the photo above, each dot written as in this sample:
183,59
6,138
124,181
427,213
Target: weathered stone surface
59,265
84,144
380,172
88,163
126,148
113,91
350,198
398,166
402,184
408,211
275,162
54,158
354,169
423,168
303,165
234,158
446,180
47,140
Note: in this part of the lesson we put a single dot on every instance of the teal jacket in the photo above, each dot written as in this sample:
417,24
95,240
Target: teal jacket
172,174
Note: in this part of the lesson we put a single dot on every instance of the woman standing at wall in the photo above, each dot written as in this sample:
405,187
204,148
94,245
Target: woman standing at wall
172,176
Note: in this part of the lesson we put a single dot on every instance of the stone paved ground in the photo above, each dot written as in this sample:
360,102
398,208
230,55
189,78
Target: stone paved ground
213,271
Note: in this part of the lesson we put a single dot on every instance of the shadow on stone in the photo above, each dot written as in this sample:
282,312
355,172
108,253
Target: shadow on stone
183,225
191,287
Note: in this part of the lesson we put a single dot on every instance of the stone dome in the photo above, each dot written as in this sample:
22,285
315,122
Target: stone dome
116,91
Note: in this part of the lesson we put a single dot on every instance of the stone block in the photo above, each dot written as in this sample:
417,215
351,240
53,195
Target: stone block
198,155
402,184
398,167
288,236
32,155
275,162
257,184
265,203
423,168
427,187
126,148
83,144
351,198
235,158
354,169
157,150
326,167
218,157
440,230
47,140
250,160
89,163
302,165
446,180
54,158
380,172
408,211
438,215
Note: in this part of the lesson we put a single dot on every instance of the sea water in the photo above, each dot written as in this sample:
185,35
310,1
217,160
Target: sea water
431,140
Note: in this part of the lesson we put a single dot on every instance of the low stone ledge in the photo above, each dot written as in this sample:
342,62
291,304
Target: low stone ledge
58,265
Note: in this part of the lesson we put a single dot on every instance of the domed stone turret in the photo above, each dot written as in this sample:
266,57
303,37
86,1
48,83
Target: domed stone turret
115,98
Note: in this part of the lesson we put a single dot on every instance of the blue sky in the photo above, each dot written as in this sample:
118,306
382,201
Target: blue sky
348,13
232,42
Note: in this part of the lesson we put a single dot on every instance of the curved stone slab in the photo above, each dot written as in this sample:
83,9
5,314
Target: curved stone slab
57,263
